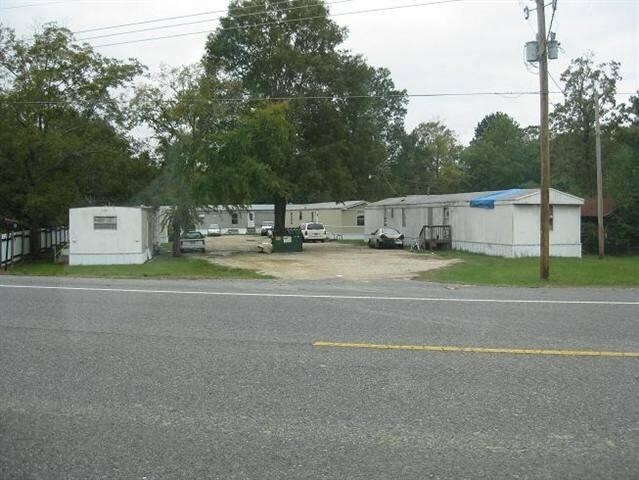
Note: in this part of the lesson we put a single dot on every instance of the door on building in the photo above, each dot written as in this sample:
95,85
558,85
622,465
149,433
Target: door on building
251,220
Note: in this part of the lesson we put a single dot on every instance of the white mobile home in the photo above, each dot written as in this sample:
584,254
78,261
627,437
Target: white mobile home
501,223
231,219
111,235
344,219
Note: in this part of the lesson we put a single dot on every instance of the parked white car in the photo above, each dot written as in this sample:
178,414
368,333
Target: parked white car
313,232
267,228
192,241
214,230
386,237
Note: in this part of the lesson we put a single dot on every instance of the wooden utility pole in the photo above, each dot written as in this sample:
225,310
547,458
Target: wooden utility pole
544,141
600,224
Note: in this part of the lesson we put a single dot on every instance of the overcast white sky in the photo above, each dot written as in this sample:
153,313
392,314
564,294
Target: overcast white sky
469,46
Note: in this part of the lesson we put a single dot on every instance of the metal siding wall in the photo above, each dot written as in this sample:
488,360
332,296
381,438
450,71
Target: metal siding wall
482,226
373,219
127,239
262,216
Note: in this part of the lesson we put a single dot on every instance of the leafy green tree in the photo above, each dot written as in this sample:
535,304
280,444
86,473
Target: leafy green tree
501,155
621,181
256,155
63,140
174,188
429,161
344,112
186,124
573,122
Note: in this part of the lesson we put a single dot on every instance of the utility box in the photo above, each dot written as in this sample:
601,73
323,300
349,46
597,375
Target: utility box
291,241
553,49
532,51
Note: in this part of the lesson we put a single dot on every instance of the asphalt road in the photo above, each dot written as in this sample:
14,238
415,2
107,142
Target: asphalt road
220,379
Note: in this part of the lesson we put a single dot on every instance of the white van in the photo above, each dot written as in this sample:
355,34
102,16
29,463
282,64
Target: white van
312,232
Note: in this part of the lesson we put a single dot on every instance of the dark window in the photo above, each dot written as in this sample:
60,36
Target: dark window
193,235
551,219
314,226
234,218
300,214
392,213
360,220
403,217
105,223
251,216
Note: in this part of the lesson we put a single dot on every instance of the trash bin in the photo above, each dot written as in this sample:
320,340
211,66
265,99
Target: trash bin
291,241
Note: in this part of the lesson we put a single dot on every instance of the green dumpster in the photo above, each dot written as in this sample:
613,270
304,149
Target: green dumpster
291,241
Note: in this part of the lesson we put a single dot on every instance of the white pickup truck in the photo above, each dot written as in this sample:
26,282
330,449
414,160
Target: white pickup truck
267,226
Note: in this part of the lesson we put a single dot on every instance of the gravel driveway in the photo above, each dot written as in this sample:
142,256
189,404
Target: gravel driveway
320,260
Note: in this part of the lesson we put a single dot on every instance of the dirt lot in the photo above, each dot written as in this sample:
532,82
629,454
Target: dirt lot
319,260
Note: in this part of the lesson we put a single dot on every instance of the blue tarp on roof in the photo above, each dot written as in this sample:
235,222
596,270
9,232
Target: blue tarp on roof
488,201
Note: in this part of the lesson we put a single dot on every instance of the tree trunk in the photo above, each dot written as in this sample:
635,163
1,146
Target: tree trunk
279,203
175,237
34,239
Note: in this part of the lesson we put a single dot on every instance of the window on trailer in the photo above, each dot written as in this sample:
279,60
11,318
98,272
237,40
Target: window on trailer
234,218
105,223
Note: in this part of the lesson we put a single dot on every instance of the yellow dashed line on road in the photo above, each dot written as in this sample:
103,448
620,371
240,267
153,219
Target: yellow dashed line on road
455,349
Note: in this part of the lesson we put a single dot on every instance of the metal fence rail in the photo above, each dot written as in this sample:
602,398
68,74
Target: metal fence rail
435,236
16,245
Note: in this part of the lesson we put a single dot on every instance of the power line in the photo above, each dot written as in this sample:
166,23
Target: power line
263,24
190,15
557,84
513,94
552,18
13,7
250,14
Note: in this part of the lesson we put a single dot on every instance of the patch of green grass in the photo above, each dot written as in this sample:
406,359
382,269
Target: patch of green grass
589,271
163,266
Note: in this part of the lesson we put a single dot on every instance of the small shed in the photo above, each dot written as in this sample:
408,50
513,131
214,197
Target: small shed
111,235
501,223
343,219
